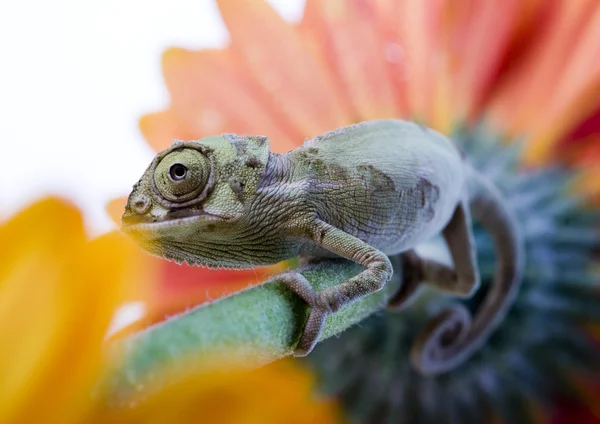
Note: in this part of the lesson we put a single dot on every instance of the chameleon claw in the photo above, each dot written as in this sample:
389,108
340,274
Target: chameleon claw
322,304
319,311
311,332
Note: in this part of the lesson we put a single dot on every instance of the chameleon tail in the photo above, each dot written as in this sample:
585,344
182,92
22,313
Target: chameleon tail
453,336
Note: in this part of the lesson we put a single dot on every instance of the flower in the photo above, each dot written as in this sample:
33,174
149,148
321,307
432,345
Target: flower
58,295
529,70
281,392
536,357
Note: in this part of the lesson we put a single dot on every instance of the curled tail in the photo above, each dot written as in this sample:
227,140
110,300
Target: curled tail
453,336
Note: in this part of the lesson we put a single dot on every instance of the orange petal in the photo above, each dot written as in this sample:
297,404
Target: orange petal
419,23
389,21
549,91
161,128
577,92
115,209
541,66
470,46
356,50
478,40
212,95
588,182
278,59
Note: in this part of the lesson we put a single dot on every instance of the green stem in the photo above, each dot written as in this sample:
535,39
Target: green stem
258,325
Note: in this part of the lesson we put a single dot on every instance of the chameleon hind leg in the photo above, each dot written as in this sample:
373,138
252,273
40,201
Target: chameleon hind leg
412,277
462,280
430,352
325,302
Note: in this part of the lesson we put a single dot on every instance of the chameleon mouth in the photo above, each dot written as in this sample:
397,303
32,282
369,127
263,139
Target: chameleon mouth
167,239
174,218
139,225
143,225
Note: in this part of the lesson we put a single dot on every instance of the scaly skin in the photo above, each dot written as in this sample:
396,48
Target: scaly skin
363,192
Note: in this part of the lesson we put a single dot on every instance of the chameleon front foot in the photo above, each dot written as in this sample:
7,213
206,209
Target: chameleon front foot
322,304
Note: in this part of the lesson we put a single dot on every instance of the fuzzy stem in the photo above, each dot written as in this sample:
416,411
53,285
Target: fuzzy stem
258,325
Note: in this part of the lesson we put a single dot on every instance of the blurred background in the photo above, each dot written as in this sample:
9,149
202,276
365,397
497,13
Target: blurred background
75,79
90,91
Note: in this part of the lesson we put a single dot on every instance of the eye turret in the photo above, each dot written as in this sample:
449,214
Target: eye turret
182,175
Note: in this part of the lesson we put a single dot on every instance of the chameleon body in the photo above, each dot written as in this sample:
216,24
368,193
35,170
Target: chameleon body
363,192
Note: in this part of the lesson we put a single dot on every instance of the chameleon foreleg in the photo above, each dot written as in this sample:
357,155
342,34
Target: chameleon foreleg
298,284
378,272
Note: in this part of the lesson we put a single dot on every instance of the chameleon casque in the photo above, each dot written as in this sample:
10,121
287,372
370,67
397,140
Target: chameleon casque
364,192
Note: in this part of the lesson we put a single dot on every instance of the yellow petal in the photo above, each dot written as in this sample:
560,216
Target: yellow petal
42,240
278,393
58,293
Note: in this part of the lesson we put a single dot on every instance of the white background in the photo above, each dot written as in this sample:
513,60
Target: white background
75,75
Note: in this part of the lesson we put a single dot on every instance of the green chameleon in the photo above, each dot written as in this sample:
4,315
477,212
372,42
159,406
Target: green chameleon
363,192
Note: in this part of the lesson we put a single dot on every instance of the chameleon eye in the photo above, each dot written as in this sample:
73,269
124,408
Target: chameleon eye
182,175
177,172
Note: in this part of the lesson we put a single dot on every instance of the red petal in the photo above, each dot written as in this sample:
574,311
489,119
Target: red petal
181,287
571,413
589,126
582,148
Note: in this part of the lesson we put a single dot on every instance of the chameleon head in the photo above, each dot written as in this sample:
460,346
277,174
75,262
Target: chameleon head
192,196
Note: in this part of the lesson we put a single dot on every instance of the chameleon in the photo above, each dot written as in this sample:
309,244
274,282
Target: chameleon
365,192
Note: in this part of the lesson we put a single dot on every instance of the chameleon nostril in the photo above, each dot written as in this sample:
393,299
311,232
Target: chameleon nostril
140,204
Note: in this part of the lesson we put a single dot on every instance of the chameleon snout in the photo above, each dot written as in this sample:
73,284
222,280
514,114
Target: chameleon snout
140,204
136,210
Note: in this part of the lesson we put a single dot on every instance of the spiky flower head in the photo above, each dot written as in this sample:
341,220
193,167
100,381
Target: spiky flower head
529,358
